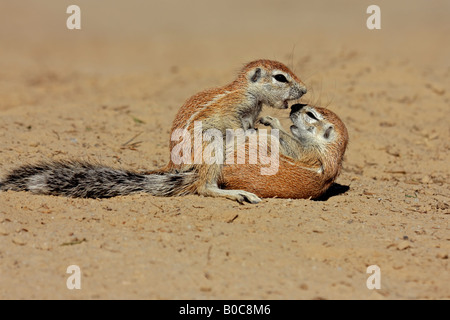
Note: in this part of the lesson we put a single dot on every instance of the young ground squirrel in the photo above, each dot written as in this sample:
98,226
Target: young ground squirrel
310,160
236,105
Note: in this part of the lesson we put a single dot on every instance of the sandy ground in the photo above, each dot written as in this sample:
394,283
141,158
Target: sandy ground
83,94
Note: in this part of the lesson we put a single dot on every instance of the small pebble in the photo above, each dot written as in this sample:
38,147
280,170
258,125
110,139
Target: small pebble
19,241
442,256
426,180
403,245
3,231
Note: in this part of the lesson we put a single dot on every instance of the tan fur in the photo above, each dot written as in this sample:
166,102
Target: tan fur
306,168
236,105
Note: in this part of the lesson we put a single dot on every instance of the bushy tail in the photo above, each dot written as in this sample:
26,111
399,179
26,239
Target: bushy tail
86,180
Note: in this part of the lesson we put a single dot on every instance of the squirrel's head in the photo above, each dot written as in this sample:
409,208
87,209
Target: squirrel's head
272,83
319,128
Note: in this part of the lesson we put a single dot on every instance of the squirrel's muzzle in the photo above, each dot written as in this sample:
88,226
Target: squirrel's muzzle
297,92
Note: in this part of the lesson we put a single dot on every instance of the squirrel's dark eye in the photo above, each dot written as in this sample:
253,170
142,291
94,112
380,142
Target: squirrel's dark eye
311,115
280,78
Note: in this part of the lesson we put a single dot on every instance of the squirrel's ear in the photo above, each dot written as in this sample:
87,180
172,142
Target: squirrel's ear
328,132
255,77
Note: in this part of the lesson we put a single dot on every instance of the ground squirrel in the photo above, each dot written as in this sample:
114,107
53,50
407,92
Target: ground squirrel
310,160
236,105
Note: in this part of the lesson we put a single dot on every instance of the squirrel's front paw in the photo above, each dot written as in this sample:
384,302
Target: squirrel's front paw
271,121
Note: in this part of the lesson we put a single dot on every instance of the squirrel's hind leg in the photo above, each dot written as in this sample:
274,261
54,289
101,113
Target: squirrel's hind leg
207,185
237,195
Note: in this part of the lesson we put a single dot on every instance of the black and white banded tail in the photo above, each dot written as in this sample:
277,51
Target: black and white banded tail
85,180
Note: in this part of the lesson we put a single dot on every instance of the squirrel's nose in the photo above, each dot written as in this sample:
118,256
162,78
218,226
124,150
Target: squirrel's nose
298,91
297,107
303,90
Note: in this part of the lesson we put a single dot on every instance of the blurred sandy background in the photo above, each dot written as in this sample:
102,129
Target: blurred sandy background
83,94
